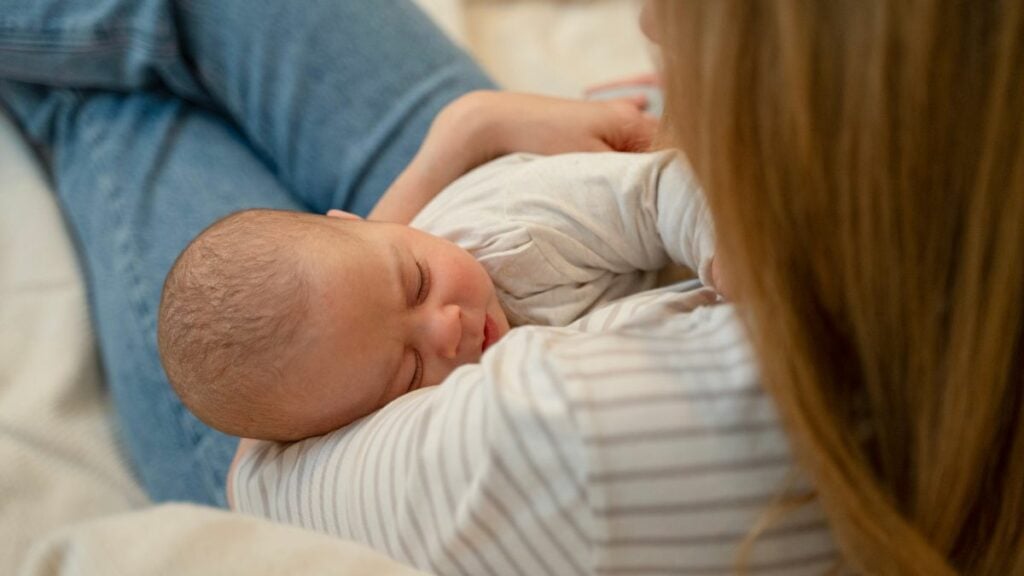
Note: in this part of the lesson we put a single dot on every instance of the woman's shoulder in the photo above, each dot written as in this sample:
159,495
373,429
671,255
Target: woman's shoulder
674,348
656,406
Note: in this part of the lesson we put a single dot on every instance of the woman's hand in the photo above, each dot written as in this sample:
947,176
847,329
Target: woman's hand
244,445
482,126
506,122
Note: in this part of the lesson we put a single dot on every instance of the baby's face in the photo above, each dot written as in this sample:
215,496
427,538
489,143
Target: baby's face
393,311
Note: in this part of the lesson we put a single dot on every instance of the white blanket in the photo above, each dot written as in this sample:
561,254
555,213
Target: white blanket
184,540
68,503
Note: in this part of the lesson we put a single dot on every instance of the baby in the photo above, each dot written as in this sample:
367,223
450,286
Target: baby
281,325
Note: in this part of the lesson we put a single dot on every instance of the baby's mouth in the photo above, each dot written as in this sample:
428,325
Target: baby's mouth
490,333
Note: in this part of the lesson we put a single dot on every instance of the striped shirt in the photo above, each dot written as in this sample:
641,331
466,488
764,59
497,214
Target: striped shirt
636,440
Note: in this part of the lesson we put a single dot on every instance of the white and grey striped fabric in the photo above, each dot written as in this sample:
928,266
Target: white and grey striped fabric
636,440
638,443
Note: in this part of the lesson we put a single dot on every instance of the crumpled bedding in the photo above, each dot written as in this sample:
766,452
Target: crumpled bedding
184,540
68,502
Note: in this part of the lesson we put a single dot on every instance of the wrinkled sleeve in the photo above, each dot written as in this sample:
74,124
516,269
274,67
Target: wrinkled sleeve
563,235
649,447
484,474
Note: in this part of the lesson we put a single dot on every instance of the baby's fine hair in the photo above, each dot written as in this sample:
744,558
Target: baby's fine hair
232,307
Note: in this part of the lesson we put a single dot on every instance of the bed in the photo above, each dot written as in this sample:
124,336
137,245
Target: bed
68,502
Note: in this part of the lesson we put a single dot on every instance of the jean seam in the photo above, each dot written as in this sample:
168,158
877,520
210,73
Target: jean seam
58,40
138,307
109,29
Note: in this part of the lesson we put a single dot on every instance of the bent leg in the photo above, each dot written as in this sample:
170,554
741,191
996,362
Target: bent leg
335,94
138,176
115,45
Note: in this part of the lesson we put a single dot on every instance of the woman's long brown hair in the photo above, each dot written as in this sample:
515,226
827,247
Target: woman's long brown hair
864,164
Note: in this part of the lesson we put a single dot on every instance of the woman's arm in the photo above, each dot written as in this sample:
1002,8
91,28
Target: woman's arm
418,479
244,445
485,125
646,449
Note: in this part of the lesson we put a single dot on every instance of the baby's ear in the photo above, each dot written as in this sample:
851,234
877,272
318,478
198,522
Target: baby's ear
342,214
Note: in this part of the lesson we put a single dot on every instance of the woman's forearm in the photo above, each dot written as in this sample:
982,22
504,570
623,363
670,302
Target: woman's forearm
461,138
481,126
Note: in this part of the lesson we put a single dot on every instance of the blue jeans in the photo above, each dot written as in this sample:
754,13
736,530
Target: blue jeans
158,117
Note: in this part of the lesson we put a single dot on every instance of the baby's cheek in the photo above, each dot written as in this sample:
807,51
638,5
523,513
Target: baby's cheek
472,277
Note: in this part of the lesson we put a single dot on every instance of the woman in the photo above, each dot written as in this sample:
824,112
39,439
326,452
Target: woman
863,162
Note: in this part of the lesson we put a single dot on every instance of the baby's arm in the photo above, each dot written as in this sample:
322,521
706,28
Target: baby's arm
482,126
563,235
608,223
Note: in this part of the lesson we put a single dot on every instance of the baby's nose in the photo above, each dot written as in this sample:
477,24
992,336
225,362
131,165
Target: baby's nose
446,331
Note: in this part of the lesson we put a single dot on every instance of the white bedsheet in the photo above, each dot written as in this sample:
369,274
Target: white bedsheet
68,503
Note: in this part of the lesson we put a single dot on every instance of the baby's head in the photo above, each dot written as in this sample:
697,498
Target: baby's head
283,325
